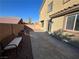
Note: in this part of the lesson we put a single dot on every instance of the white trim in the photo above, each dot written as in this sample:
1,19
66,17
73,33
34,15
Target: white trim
74,22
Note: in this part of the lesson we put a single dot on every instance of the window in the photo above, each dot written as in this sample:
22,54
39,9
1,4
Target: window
70,22
65,1
73,22
50,7
42,22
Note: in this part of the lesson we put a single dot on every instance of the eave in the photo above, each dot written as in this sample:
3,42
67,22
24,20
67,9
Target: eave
68,10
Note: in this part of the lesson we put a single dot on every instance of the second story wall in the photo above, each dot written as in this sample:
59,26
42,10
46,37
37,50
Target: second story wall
57,5
43,11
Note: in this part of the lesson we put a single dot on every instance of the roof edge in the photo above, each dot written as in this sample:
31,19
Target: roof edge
42,5
16,17
71,9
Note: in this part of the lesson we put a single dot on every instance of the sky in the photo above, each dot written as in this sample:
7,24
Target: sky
21,8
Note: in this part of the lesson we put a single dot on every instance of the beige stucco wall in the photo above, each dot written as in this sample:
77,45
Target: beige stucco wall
57,24
43,11
59,5
70,3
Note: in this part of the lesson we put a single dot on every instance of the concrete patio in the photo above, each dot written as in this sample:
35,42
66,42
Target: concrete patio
47,47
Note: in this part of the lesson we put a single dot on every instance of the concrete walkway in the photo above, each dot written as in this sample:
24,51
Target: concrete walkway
47,47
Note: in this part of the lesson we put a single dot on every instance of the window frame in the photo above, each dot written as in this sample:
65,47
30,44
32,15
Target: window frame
74,25
50,4
73,22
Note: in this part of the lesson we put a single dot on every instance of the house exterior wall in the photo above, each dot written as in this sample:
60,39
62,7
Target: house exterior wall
43,12
43,15
58,22
59,5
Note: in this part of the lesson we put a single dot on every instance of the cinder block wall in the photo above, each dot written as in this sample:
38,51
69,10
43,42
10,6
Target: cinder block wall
9,29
